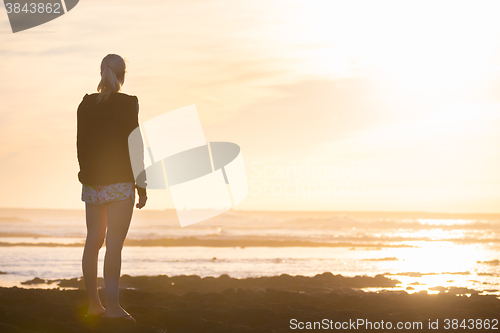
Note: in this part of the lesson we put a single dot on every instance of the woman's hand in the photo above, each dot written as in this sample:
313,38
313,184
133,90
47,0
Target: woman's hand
142,201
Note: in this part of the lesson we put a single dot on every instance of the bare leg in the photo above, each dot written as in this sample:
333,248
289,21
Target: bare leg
96,230
119,215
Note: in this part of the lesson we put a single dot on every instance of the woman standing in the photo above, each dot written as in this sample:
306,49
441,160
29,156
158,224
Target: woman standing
105,120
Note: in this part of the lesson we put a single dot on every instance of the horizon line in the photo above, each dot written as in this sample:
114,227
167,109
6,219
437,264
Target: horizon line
291,211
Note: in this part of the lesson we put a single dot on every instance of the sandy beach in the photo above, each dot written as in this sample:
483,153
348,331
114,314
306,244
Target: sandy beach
266,304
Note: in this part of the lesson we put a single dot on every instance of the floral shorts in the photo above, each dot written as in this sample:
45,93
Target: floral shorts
100,194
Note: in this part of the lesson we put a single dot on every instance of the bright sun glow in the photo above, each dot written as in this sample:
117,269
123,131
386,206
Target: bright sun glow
440,257
434,266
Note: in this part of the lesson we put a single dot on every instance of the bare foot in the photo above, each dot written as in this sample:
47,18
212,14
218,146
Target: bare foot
115,313
96,311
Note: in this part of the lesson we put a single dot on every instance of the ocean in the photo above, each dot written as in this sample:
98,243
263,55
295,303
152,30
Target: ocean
424,251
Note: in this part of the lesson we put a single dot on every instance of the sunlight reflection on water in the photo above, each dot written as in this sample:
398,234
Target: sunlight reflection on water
424,254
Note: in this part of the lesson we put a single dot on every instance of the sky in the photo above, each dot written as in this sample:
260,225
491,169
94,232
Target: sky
336,105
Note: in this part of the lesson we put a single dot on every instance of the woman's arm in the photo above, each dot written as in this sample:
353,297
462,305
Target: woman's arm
81,137
141,183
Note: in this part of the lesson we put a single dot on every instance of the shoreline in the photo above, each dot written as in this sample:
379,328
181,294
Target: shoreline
241,243
325,282
187,283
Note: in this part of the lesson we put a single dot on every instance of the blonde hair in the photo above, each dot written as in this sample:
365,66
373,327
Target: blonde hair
112,76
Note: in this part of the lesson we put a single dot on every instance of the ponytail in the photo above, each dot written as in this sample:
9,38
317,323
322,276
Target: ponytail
112,76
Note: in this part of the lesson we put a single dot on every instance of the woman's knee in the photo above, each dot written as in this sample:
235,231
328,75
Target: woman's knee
94,243
114,244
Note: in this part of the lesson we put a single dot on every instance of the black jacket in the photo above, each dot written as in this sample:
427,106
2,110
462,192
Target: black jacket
102,139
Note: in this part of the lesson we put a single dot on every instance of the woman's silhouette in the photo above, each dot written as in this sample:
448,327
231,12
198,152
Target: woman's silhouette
105,120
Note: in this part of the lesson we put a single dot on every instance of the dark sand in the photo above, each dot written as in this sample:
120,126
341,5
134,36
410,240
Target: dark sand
267,304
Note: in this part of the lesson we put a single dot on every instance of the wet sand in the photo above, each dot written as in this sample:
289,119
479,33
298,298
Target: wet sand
225,304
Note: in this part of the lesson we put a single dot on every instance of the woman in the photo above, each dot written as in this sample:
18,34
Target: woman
105,120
